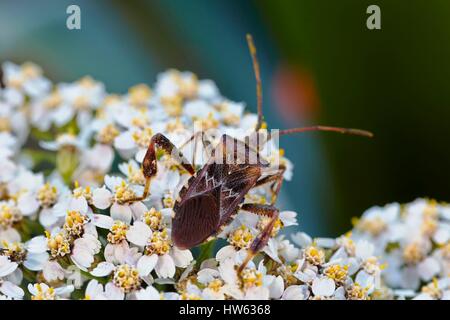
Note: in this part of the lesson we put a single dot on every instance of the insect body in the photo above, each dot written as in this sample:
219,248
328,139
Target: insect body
214,194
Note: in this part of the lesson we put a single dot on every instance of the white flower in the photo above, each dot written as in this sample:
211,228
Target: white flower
22,80
114,194
159,253
95,291
41,291
84,250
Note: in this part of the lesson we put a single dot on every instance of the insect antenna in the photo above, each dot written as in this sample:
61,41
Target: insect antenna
356,132
256,69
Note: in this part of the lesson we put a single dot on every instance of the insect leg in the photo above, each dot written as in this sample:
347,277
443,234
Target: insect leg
149,166
276,179
261,240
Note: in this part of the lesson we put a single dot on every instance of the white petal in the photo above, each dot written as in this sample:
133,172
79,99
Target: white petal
325,242
121,212
288,218
323,287
296,293
365,280
101,198
139,233
149,293
36,261
11,290
138,209
146,264
428,268
181,258
301,239
102,221
165,268
7,267
47,218
225,253
276,287
37,244
113,293
28,204
78,204
364,249
102,269
52,271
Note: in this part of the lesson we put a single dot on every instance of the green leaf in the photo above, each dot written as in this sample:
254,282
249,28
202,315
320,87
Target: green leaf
206,252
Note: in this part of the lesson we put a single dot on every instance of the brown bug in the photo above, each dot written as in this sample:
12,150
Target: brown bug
214,194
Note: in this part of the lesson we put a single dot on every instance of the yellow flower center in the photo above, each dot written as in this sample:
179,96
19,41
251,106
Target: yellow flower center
123,193
337,272
215,285
356,292
159,243
431,209
139,94
168,201
48,294
5,124
81,103
372,266
107,134
127,278
135,175
190,296
445,249
153,219
264,221
241,237
374,226
287,273
432,289
30,70
8,216
251,278
188,87
429,225
15,251
172,105
207,123
86,192
347,243
74,224
53,100
59,245
143,137
175,125
87,82
118,232
413,253
47,195
314,255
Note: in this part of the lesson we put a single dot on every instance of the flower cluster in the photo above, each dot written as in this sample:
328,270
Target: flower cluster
413,241
73,224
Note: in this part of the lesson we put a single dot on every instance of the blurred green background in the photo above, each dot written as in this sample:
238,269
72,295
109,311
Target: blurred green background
320,65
